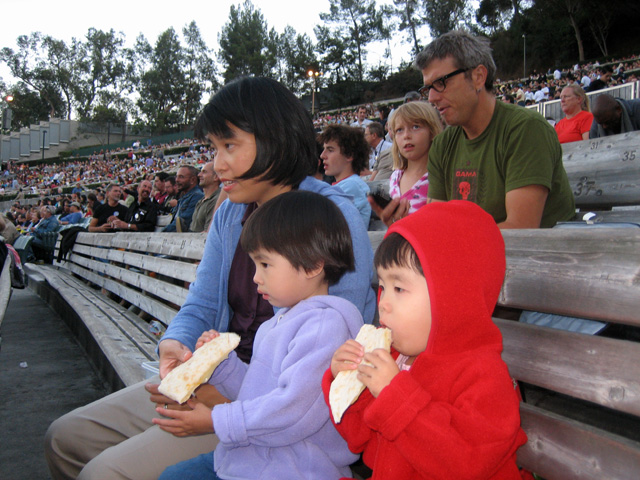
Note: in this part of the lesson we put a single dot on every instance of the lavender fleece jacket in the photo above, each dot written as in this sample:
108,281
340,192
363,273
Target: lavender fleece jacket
278,426
206,305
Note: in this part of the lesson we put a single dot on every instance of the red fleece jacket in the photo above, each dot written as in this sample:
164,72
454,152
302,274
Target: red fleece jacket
455,413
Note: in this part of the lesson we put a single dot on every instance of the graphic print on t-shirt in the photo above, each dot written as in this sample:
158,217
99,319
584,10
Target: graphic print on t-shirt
465,185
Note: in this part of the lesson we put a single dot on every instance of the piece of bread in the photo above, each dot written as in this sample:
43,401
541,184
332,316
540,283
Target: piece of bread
182,381
346,388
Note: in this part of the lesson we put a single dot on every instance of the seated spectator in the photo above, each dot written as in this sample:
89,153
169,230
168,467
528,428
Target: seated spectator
92,203
111,208
603,81
75,215
49,223
414,127
191,193
577,122
383,168
171,197
142,215
374,135
8,230
361,120
203,213
523,184
612,116
345,155
159,192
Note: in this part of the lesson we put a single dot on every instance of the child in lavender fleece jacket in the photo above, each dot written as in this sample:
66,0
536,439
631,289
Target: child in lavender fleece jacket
277,425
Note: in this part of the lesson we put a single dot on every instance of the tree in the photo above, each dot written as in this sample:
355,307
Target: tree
337,59
162,87
357,23
244,44
446,15
409,14
42,65
103,73
295,58
200,72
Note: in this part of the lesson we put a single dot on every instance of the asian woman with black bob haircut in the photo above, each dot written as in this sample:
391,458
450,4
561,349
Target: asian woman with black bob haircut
264,145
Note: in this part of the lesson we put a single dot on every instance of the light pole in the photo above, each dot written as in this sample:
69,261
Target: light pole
313,75
524,68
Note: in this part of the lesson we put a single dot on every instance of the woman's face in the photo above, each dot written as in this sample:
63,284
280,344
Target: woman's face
569,101
233,157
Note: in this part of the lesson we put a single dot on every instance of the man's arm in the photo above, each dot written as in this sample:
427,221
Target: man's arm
524,207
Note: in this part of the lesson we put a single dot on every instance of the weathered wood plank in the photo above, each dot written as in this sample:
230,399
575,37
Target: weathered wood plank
600,370
179,245
563,449
122,343
176,269
605,171
164,290
570,272
154,308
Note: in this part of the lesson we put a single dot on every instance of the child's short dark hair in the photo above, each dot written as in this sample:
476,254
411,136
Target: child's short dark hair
396,251
351,142
304,227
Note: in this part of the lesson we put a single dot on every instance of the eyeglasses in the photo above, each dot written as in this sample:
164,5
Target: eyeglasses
440,84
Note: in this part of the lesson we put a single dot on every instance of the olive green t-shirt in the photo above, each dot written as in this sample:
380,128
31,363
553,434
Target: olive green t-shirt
517,149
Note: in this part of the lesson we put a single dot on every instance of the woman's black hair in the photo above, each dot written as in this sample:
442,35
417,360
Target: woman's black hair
396,251
304,227
285,139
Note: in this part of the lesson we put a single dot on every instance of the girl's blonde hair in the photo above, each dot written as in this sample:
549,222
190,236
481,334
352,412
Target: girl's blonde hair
421,113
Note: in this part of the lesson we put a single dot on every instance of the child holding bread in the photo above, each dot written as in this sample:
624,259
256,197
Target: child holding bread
276,425
442,405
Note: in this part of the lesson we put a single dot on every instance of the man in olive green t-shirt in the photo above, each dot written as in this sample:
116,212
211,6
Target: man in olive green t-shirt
503,157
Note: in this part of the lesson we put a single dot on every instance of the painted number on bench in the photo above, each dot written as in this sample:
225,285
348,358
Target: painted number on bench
629,156
586,187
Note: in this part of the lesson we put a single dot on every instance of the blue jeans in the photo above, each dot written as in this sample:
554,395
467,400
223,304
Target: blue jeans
198,468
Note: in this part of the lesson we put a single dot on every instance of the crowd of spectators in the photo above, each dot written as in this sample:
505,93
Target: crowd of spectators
101,167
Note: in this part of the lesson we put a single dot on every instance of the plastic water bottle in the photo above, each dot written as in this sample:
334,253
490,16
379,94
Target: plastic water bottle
156,328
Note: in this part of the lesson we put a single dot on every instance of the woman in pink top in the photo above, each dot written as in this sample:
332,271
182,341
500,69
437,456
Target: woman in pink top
414,125
577,122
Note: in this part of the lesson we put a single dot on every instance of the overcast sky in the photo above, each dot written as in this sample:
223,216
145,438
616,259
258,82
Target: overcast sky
64,19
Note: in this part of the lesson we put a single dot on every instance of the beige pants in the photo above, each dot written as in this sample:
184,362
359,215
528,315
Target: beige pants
113,438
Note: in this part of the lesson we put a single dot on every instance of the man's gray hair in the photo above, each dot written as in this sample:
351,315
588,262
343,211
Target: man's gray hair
467,51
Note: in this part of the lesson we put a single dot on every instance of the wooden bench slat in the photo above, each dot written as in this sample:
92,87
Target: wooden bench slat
164,266
601,370
604,171
122,344
563,449
171,293
568,272
154,308
180,245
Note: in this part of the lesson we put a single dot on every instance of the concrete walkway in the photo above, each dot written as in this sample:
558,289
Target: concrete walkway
55,377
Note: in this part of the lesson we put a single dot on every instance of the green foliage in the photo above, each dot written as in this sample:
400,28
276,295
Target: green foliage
356,23
246,47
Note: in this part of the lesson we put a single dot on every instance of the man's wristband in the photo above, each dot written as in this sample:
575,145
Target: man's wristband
129,227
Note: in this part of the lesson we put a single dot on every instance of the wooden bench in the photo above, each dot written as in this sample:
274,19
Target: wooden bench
585,424
146,274
604,174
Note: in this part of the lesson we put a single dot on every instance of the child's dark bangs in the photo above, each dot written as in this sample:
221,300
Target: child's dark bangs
396,251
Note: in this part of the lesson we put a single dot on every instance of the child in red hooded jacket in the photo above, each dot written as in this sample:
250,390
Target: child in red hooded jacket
442,405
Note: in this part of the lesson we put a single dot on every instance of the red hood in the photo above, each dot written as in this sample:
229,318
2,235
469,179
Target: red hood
462,254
